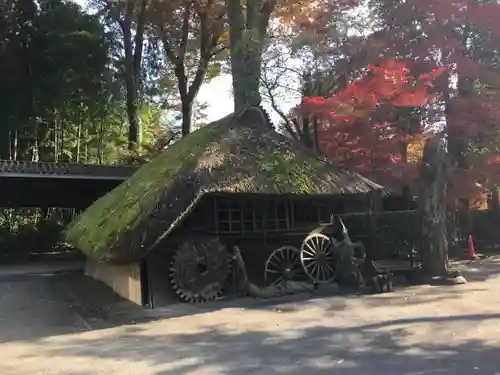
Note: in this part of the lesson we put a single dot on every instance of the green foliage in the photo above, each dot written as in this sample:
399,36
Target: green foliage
62,84
30,230
56,71
63,93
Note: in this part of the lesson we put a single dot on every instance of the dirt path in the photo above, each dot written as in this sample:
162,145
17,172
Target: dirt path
33,306
416,331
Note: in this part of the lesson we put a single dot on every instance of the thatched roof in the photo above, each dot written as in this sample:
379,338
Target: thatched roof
240,153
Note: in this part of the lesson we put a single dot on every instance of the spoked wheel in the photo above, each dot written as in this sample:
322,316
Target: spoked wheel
317,258
283,265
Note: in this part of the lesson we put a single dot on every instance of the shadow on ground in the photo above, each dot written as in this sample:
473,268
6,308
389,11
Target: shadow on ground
34,306
385,348
479,270
37,306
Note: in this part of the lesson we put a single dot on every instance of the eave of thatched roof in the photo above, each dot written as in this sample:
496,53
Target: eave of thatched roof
240,153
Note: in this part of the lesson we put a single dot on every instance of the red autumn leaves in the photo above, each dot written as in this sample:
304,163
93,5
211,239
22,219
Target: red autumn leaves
387,83
349,127
371,124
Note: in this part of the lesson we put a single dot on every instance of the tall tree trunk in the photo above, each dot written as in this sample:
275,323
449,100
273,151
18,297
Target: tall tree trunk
133,57
432,209
133,118
187,115
15,145
11,141
86,147
62,139
100,142
188,94
78,141
247,37
56,136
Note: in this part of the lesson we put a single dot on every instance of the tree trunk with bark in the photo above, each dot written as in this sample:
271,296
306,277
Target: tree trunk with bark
133,46
247,36
131,98
432,209
187,117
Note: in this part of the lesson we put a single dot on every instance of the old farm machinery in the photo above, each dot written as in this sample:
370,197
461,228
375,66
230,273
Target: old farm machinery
326,255
202,269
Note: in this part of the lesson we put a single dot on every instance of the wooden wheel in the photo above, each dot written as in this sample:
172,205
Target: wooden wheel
317,258
199,269
283,265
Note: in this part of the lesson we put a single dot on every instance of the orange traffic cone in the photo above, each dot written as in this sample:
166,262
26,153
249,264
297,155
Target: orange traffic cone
470,248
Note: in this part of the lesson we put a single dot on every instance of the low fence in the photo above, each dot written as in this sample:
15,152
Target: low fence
386,235
395,234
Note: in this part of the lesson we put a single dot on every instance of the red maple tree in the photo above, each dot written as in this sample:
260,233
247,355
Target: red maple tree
359,126
464,35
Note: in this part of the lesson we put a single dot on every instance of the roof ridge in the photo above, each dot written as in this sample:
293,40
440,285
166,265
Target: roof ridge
250,121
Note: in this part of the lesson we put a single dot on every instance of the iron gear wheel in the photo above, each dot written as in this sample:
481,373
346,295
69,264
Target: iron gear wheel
199,270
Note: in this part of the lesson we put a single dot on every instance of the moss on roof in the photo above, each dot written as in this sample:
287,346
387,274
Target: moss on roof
239,153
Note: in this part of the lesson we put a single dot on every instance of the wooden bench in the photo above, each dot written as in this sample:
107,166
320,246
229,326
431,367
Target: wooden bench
384,270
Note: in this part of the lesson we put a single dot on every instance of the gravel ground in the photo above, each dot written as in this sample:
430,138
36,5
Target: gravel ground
413,331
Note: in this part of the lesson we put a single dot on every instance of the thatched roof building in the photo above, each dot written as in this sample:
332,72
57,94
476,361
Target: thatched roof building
240,153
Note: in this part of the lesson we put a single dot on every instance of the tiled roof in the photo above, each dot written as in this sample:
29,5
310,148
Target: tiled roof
44,169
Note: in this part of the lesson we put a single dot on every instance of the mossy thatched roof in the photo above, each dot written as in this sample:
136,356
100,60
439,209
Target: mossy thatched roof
240,153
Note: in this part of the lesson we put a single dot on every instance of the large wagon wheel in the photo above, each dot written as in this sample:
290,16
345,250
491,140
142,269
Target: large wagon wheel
199,270
317,258
283,265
